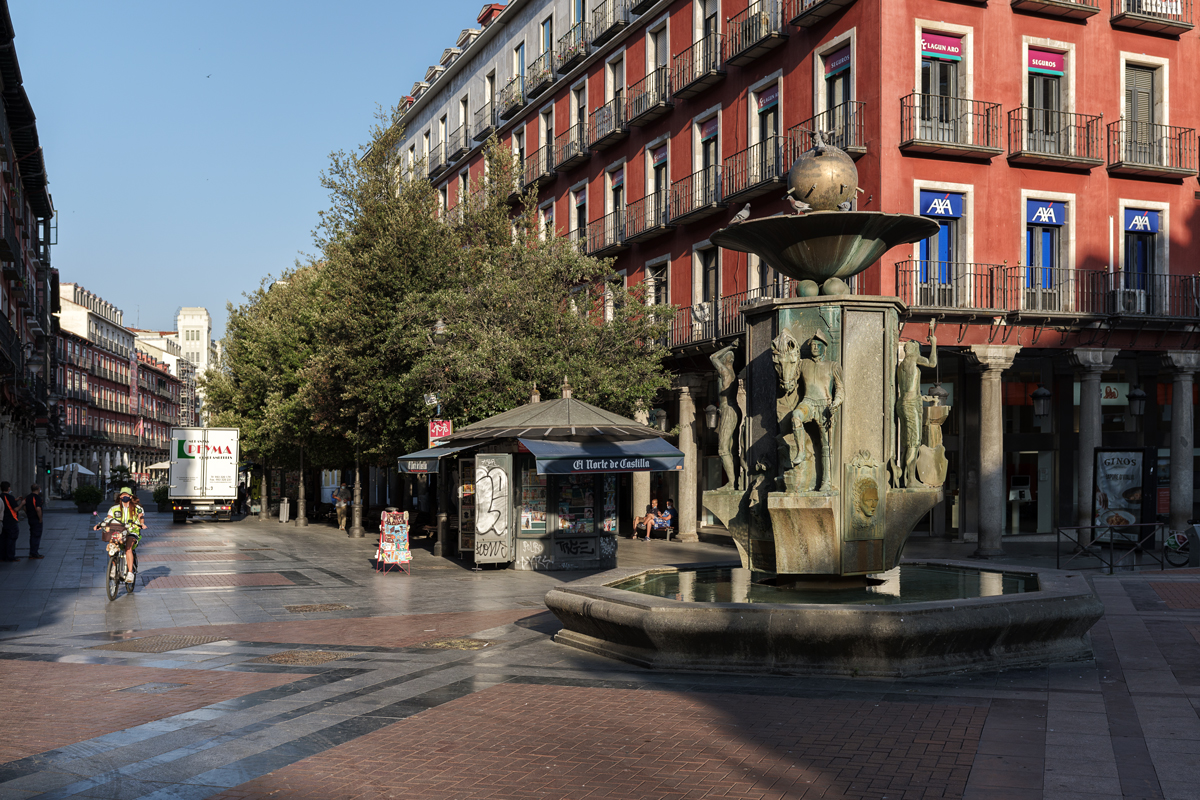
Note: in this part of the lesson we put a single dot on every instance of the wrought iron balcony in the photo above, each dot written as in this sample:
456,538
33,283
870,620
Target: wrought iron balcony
1140,148
436,161
647,217
1167,17
641,6
571,147
932,123
698,67
1067,9
606,235
485,122
457,144
574,47
1052,290
649,98
697,196
579,236
608,19
1138,294
704,325
807,13
512,97
756,170
1054,138
540,74
948,285
607,125
843,126
539,167
754,32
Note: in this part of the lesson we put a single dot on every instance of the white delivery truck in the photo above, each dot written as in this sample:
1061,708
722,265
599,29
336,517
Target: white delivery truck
204,472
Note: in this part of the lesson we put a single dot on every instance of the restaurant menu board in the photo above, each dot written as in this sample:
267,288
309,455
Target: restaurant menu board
466,506
576,504
533,502
393,539
1119,480
609,524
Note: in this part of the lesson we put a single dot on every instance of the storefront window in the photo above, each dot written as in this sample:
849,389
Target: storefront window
533,501
576,504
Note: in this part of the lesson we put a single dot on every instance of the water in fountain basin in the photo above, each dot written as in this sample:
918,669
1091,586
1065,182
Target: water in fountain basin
907,583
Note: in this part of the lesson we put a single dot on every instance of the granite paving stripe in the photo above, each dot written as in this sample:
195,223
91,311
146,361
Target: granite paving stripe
160,541
156,557
222,580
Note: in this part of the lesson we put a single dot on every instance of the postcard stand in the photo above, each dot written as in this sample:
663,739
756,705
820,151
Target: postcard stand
393,543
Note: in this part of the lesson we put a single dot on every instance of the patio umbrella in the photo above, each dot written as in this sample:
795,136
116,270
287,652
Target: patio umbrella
72,467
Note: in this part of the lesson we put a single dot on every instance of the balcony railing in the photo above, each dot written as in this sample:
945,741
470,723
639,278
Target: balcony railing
647,217
641,6
754,32
574,47
571,146
698,67
932,123
1068,9
485,122
1138,294
1169,17
719,319
607,125
539,167
697,196
649,98
512,97
457,144
755,170
579,237
1038,136
1052,290
948,284
608,19
806,13
1140,148
436,160
607,234
842,126
540,74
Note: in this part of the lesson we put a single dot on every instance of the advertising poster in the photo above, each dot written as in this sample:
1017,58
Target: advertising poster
1121,494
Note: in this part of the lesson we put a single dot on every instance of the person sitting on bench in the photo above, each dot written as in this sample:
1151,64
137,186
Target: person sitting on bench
646,523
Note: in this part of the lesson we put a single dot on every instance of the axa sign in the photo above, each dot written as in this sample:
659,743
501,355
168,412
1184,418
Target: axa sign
941,204
1138,220
1045,212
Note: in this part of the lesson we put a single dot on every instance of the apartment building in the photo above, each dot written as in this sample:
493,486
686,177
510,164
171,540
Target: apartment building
1052,140
164,346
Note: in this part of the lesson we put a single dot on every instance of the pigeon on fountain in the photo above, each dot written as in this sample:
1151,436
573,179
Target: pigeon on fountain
798,206
741,216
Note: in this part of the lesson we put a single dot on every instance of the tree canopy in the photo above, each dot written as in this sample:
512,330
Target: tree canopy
337,355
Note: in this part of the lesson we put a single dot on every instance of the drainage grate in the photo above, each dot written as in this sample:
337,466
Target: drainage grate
158,644
300,657
154,688
456,644
309,609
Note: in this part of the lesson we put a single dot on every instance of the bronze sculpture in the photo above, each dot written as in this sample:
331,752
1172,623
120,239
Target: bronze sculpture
822,397
909,405
727,423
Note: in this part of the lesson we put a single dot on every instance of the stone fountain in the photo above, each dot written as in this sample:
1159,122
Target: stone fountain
841,456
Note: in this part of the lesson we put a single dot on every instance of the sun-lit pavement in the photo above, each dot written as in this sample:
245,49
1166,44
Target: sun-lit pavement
261,660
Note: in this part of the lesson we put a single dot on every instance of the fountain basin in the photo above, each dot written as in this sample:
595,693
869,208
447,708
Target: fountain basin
928,637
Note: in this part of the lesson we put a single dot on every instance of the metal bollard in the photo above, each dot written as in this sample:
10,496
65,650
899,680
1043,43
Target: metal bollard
284,510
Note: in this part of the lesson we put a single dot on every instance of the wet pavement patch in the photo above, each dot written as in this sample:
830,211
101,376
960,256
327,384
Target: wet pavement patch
315,607
304,658
153,688
456,644
158,644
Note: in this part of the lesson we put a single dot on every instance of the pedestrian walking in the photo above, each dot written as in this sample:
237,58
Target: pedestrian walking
242,495
9,530
33,513
341,496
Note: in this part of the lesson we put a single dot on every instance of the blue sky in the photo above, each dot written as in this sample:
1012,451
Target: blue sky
184,140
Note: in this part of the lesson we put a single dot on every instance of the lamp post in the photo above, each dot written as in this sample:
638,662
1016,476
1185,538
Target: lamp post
1041,402
710,417
1137,402
439,335
301,515
660,419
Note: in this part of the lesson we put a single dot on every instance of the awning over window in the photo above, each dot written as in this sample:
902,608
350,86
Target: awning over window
641,455
424,461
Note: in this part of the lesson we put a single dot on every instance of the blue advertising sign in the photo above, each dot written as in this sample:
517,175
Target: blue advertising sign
1045,212
1138,220
941,204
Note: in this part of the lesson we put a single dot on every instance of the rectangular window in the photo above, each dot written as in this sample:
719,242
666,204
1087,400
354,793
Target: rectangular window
548,34
657,293
710,288
1141,245
519,60
1141,144
1043,242
942,116
940,252
709,15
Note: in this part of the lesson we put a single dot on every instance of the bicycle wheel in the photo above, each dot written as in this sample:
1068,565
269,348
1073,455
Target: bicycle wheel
1176,556
129,584
112,578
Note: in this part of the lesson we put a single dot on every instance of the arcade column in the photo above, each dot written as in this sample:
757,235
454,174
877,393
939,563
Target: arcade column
992,361
1183,365
1091,362
640,499
689,480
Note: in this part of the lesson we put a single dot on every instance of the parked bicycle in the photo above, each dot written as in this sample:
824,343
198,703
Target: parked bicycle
1175,548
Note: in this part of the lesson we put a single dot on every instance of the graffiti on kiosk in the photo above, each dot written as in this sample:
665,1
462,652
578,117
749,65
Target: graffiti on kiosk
491,502
576,547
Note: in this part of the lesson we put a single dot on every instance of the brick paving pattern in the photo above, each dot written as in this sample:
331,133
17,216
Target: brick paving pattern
202,581
1178,596
62,703
155,557
517,741
405,631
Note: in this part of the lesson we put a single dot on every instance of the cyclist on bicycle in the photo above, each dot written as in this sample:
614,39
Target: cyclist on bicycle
128,511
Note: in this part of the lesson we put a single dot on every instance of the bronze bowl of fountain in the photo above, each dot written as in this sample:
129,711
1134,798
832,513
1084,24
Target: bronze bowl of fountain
823,242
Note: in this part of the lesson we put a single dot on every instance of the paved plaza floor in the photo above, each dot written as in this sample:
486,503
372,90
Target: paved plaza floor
259,660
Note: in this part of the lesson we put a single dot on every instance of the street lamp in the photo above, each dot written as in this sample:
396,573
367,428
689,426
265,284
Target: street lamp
660,418
440,334
710,416
1041,402
1137,401
939,394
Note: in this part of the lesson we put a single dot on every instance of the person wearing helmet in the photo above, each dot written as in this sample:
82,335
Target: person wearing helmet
128,511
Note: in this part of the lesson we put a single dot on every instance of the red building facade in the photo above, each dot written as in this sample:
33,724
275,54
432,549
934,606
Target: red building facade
1053,140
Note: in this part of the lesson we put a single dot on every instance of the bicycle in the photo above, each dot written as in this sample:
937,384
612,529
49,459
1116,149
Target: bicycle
114,575
1175,548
